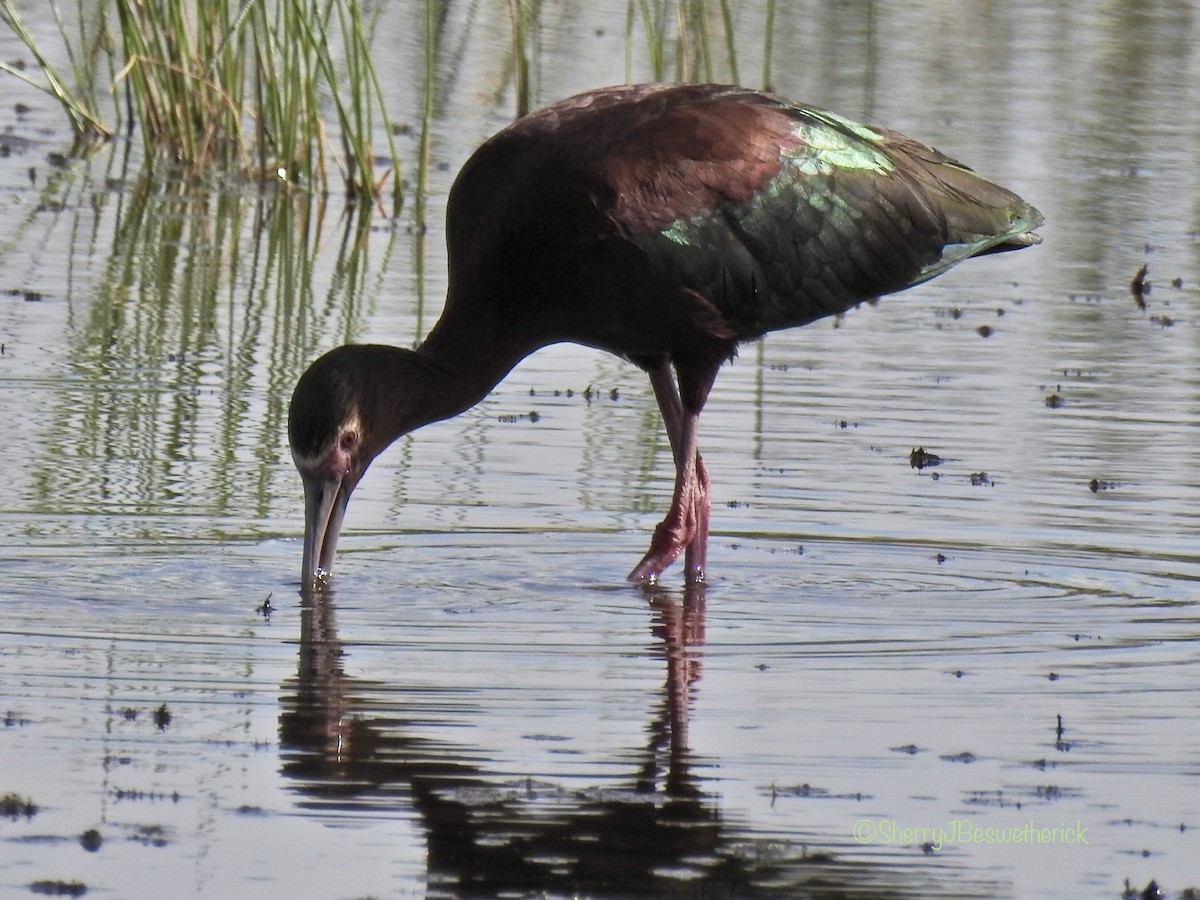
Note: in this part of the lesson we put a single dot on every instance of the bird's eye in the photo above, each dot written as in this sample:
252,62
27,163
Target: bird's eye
348,441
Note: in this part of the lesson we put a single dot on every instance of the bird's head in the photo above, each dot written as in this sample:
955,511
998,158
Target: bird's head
333,439
352,403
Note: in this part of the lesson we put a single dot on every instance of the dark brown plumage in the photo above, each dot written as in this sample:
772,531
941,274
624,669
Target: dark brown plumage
665,224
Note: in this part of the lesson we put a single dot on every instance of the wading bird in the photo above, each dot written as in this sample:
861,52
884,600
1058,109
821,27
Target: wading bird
665,224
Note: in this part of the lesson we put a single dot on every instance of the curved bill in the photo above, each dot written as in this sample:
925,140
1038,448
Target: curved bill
325,501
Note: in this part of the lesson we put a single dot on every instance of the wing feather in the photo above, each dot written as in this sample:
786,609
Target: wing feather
783,214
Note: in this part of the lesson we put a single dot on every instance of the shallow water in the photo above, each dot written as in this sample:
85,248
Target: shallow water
887,662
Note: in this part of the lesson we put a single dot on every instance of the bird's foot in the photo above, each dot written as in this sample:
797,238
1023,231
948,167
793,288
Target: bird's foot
684,528
670,539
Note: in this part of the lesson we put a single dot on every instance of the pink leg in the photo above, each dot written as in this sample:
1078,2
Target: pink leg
686,524
696,556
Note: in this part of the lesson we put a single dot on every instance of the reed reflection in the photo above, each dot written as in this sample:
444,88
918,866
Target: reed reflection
179,358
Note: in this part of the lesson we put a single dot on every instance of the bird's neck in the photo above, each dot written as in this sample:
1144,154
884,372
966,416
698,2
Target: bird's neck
450,372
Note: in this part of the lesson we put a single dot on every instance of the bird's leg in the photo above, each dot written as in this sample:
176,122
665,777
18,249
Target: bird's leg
671,406
696,556
662,379
677,530
686,524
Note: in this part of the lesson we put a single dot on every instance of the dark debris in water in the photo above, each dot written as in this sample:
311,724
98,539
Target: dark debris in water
162,717
965,757
1139,286
152,796
589,394
798,790
1153,892
953,312
1053,792
150,835
991,798
1059,744
13,719
513,418
26,294
920,458
91,840
52,887
14,806
806,790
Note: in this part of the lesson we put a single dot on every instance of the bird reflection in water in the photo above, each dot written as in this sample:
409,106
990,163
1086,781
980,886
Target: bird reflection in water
659,831
679,629
348,753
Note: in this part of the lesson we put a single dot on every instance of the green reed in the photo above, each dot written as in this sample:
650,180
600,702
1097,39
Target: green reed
680,42
522,15
282,90
85,121
768,47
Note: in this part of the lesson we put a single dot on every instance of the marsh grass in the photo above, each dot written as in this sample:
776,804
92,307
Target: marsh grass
523,15
768,82
85,120
269,91
682,38
285,92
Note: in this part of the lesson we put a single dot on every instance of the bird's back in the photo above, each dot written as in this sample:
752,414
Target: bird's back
754,213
